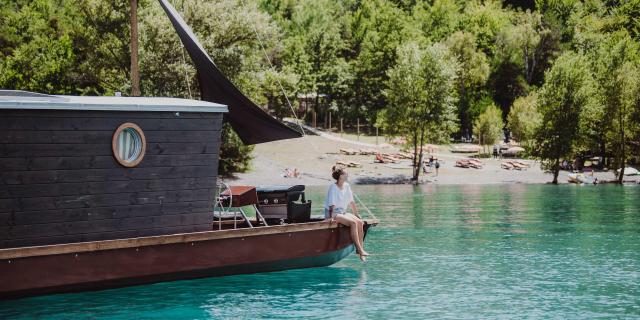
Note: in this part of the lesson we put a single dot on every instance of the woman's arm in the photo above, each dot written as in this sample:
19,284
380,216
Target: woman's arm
354,208
352,202
330,201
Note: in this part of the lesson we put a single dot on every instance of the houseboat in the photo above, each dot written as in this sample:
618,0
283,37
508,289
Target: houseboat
103,192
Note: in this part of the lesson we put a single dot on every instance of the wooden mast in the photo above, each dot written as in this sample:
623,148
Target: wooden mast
135,74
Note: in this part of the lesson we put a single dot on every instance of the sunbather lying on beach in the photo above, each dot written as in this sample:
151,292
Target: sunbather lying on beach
291,173
339,197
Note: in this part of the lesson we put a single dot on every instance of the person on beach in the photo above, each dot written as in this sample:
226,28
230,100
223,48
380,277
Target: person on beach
339,197
426,168
288,173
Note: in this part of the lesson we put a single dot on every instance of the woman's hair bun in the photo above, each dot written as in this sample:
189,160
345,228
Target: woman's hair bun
336,172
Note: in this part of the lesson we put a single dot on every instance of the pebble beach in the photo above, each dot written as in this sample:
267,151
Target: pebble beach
314,156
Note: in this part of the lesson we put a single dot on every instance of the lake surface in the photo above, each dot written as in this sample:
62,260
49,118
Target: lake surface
499,251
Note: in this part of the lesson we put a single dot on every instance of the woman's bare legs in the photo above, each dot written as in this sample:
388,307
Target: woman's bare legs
360,227
361,234
360,224
350,222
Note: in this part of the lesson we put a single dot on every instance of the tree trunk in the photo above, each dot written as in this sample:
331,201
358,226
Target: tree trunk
135,75
416,173
621,162
556,171
622,149
315,118
603,153
415,154
316,111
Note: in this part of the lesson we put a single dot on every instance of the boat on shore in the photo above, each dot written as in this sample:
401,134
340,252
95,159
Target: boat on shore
628,171
105,192
581,178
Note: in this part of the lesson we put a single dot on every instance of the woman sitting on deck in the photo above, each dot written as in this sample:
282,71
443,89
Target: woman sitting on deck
335,207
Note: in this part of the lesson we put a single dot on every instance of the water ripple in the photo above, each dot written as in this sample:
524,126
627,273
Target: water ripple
446,252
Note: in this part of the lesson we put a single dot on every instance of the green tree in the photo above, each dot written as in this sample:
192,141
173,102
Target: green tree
472,76
314,50
523,42
231,33
627,14
524,118
616,63
489,126
507,83
64,47
344,49
422,95
234,155
485,20
564,101
272,85
437,20
377,29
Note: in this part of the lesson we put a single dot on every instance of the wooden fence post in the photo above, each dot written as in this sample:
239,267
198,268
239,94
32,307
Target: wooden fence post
315,124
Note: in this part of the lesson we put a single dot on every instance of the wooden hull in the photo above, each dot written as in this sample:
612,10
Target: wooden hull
116,263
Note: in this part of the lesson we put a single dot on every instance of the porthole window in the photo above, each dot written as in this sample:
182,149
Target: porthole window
128,144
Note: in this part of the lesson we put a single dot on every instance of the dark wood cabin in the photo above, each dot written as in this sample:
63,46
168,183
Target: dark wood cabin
76,169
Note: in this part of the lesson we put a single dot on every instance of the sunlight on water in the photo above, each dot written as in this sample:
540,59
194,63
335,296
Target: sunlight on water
512,251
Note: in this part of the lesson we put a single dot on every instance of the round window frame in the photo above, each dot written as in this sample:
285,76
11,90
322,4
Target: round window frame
114,141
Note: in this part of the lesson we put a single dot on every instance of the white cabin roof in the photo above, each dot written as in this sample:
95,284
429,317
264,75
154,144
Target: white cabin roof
24,100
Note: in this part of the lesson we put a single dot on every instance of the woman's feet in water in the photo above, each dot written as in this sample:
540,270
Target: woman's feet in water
363,255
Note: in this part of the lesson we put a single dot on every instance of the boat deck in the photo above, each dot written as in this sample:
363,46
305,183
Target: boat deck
23,252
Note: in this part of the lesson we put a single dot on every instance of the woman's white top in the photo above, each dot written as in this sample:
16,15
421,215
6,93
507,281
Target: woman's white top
338,198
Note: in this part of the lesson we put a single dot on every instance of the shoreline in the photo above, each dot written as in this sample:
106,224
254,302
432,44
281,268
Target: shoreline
314,156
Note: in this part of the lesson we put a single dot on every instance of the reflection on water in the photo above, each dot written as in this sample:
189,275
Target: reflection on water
515,251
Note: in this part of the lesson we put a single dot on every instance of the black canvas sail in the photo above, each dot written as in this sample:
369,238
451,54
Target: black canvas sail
252,124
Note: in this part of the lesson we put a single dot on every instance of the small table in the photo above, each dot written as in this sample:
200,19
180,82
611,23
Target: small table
242,195
238,197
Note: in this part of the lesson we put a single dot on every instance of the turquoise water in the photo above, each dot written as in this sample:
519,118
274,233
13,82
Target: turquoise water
511,251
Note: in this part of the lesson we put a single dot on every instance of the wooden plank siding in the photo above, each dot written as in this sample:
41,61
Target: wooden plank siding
59,182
